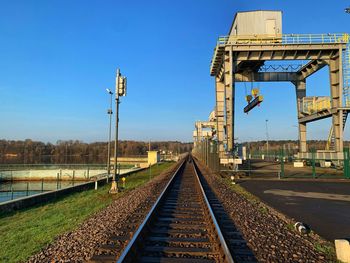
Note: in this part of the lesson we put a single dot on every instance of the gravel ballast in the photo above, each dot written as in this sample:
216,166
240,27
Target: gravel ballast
118,219
269,234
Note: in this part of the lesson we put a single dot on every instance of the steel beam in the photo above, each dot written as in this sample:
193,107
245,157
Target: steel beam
310,68
308,48
274,52
284,55
255,102
265,76
315,117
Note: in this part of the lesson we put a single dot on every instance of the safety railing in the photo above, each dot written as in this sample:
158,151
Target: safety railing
310,105
346,76
342,38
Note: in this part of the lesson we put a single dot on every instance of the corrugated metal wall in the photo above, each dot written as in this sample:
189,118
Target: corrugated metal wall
257,22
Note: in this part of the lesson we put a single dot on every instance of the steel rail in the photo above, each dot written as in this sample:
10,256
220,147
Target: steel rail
219,238
228,256
128,248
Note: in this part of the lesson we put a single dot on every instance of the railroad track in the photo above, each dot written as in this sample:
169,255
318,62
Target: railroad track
180,227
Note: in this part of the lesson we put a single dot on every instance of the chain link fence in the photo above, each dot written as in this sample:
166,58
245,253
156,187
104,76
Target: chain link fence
208,152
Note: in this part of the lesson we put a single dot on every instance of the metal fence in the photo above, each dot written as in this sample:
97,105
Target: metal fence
284,164
207,152
280,163
328,38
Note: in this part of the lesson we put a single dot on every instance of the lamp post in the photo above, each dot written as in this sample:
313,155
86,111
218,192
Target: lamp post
267,139
120,90
109,112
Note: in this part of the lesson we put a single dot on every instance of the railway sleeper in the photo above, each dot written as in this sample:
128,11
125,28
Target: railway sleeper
147,259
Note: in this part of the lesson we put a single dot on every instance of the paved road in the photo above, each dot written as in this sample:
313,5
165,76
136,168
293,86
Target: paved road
324,206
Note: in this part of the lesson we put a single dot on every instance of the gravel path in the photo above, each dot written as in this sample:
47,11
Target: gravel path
266,231
120,218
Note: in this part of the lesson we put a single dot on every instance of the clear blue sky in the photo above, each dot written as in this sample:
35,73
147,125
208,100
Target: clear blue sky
57,58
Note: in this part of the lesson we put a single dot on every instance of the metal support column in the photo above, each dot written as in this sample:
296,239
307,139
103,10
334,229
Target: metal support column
300,90
229,98
336,82
220,114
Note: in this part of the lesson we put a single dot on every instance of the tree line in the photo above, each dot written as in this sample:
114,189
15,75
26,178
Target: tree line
78,152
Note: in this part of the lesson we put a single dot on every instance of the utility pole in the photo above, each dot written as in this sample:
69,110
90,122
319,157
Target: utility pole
267,139
66,157
120,90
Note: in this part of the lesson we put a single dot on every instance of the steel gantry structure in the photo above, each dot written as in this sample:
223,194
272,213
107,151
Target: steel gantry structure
200,134
239,58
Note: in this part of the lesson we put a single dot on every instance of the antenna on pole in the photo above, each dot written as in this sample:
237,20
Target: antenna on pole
120,91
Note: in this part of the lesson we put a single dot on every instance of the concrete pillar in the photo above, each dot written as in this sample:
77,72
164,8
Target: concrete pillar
300,90
220,114
336,85
302,137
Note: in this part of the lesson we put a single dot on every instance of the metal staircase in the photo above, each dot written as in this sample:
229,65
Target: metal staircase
346,75
346,92
331,137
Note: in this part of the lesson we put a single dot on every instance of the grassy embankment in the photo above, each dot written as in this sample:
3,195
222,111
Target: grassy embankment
25,232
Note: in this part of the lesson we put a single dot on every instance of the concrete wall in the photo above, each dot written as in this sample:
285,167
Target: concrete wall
52,174
41,198
130,160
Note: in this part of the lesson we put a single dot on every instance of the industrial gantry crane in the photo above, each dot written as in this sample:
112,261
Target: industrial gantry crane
255,37
204,129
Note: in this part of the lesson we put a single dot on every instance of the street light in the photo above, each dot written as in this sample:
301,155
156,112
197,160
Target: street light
109,112
267,139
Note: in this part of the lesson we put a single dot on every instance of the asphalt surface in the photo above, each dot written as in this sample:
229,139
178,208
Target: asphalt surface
324,206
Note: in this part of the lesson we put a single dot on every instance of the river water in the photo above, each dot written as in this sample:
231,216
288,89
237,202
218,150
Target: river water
10,190
14,190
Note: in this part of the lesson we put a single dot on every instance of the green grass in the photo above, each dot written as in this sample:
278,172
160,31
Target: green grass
250,197
240,190
25,232
327,249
